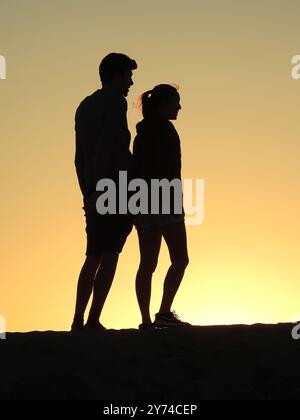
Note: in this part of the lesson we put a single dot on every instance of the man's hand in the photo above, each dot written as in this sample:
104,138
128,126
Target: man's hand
90,205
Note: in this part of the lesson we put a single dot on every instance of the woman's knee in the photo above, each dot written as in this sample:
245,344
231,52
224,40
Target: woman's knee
148,266
181,262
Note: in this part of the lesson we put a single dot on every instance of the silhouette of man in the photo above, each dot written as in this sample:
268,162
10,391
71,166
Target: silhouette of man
102,150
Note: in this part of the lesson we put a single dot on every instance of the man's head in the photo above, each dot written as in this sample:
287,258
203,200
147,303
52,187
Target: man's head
115,70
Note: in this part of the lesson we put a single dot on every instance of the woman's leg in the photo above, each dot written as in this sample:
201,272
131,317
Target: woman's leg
175,237
150,242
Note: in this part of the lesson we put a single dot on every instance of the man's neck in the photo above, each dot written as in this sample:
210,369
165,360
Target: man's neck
111,89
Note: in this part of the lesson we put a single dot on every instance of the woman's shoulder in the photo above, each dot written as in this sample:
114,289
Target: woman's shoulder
170,131
155,123
156,129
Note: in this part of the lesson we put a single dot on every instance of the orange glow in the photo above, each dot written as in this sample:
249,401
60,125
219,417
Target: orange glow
239,128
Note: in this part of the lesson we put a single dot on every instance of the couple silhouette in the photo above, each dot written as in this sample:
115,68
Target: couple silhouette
102,151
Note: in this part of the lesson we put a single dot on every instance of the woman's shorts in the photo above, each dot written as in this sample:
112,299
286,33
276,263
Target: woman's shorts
144,221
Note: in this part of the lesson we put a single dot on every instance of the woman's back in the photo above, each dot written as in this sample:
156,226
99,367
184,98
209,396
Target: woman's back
156,150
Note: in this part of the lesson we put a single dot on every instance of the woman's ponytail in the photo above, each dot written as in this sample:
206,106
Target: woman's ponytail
147,103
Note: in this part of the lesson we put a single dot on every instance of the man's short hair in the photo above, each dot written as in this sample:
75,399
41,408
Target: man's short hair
115,63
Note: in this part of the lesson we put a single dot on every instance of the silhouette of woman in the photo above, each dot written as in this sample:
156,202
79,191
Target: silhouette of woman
157,155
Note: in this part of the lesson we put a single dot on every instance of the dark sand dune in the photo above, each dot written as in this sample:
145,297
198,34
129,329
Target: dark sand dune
231,362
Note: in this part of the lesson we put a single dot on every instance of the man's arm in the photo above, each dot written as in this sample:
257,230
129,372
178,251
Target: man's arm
79,158
112,128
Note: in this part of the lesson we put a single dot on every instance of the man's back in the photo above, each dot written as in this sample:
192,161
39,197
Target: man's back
102,138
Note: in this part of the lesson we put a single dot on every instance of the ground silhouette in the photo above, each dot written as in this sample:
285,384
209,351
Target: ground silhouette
202,363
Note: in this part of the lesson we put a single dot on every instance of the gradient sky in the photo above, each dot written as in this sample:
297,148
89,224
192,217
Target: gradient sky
239,128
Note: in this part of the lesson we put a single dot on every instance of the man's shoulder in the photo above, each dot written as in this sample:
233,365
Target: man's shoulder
101,98
89,108
89,100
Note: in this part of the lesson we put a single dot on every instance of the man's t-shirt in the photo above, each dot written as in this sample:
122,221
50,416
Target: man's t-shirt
102,139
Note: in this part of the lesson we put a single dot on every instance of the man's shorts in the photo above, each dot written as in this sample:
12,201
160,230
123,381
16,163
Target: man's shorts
105,233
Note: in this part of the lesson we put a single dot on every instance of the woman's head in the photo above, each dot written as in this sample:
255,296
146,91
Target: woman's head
162,100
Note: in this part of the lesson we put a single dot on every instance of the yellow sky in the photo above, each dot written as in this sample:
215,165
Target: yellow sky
239,128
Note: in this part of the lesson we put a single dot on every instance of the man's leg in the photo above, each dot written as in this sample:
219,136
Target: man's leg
85,287
102,285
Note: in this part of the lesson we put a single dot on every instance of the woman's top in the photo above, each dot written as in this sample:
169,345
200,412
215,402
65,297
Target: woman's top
157,155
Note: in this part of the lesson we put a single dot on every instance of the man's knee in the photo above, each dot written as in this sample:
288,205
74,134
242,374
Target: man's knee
109,258
93,260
